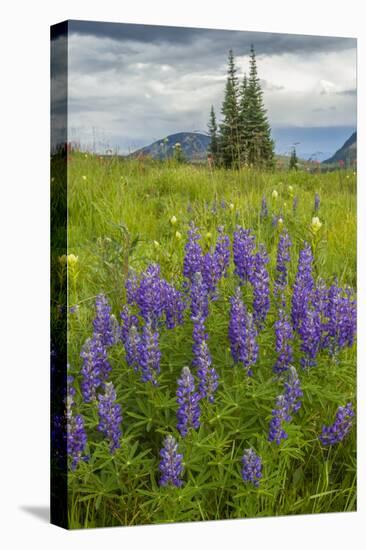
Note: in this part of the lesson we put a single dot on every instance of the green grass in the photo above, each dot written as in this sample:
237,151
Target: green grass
116,210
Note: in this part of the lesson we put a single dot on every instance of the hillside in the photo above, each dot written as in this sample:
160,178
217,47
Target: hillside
347,153
194,146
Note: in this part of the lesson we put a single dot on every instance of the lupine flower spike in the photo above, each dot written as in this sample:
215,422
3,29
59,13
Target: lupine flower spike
286,405
110,416
76,435
340,428
252,467
188,400
170,467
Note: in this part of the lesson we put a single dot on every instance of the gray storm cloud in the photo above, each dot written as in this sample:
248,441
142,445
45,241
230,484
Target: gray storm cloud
132,84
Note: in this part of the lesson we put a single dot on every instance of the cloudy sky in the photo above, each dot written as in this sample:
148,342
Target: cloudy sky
130,85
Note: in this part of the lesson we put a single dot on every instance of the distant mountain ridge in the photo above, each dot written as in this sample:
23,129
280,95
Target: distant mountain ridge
194,146
347,153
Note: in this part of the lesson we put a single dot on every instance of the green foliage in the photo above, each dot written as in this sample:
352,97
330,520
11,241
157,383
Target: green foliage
117,209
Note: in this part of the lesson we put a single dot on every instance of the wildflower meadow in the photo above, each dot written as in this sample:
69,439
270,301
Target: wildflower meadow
211,325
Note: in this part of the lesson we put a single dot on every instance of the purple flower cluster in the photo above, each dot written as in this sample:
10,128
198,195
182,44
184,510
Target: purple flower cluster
206,373
242,334
283,258
193,254
310,334
341,325
95,368
76,435
243,252
284,335
212,265
316,202
252,467
171,466
130,337
149,354
188,400
340,427
199,297
261,290
110,416
155,297
286,405
303,286
105,324
141,346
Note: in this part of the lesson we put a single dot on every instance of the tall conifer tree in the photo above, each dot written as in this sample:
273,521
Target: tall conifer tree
214,143
259,144
229,127
243,114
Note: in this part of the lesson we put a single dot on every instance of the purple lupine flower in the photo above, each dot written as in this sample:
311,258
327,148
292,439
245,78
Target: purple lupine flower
105,324
283,258
216,262
189,411
310,331
243,251
110,416
292,392
341,313
171,466
222,252
193,254
261,290
223,204
131,338
242,334
206,373
303,286
340,427
174,305
148,296
149,354
131,286
155,297
210,272
287,404
264,208
279,416
284,335
252,467
199,297
76,434
316,202
95,368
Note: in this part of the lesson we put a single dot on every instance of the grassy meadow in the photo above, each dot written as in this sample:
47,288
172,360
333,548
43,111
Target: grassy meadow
119,219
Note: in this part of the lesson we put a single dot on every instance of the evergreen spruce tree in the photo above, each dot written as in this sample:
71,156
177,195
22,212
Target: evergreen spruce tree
214,143
293,160
229,128
243,123
259,145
